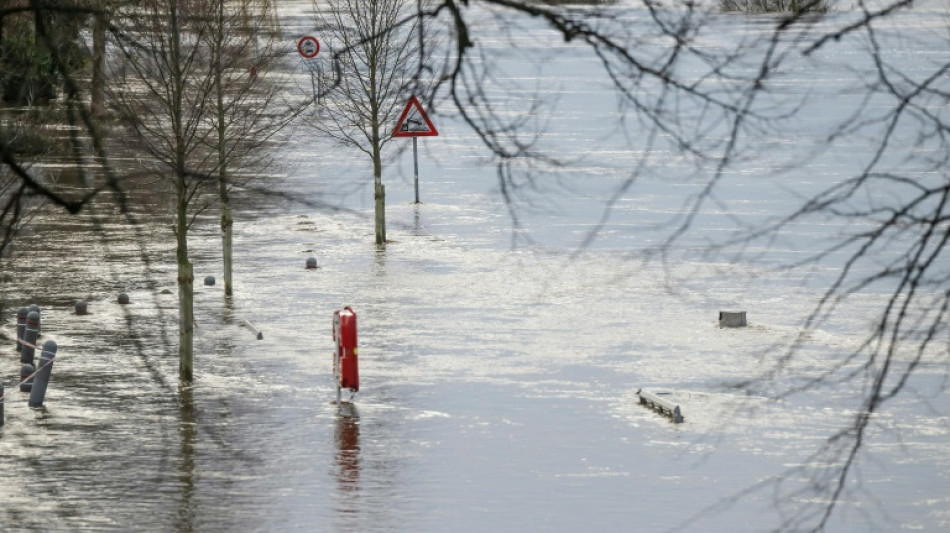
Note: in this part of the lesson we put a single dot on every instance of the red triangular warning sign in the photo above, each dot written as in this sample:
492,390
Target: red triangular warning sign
413,122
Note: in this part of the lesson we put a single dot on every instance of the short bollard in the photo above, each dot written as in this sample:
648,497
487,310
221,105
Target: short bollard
123,298
81,307
30,332
41,381
209,280
311,262
26,377
36,309
21,326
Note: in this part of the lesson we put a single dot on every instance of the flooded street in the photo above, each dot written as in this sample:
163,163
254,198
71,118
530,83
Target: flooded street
498,381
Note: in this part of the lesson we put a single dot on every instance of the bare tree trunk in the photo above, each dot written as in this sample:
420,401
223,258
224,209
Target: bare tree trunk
227,223
227,219
186,290
186,276
380,197
97,90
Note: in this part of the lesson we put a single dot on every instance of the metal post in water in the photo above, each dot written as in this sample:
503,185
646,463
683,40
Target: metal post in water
41,381
30,332
313,79
26,370
20,327
415,165
2,398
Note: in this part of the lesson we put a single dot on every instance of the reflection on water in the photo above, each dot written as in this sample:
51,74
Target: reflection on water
347,436
188,432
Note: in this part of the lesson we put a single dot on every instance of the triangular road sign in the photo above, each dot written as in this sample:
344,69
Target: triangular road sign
413,122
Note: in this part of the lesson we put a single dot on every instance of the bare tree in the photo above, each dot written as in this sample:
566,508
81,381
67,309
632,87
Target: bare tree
243,51
378,64
197,96
165,100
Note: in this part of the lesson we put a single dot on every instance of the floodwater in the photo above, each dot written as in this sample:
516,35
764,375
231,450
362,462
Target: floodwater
498,382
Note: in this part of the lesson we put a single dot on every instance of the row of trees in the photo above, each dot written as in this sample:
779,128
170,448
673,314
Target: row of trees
192,83
180,78
199,87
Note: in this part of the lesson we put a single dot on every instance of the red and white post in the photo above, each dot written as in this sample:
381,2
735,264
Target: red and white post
345,364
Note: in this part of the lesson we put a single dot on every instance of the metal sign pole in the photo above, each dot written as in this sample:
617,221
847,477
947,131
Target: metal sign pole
415,164
313,80
417,125
308,47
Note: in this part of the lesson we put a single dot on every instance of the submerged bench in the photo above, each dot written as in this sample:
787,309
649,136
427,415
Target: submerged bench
660,405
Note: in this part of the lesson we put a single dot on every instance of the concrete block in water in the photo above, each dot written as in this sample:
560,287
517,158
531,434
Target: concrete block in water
732,319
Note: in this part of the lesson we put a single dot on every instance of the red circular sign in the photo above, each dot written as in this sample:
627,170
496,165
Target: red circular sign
308,47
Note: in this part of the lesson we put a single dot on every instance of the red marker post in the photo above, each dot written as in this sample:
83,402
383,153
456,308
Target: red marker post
345,365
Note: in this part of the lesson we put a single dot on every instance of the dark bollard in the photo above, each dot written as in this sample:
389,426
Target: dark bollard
123,298
41,382
209,280
81,307
30,332
20,326
311,262
26,382
36,309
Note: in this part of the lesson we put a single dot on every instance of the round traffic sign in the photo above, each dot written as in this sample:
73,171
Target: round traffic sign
308,47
